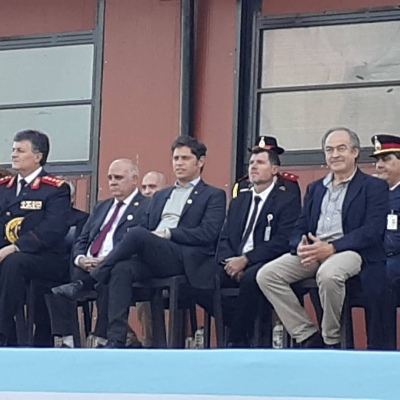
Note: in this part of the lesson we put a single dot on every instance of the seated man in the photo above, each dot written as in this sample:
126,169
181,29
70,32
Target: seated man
34,219
257,230
109,221
152,182
178,236
340,230
387,155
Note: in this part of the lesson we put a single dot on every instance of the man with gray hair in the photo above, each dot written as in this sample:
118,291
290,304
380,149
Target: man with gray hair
109,221
339,233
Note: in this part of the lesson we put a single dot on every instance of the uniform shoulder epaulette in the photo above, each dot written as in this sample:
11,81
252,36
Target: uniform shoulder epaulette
5,179
290,177
52,180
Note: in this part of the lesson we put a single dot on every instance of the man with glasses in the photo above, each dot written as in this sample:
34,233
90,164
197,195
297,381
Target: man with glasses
339,233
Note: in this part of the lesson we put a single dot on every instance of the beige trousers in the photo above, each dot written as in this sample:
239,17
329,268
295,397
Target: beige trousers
275,278
144,316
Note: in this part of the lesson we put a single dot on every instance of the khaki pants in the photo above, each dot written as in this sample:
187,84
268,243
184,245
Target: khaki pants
276,277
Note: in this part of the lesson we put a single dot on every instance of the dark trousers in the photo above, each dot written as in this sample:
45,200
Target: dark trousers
15,271
140,256
241,313
63,312
393,275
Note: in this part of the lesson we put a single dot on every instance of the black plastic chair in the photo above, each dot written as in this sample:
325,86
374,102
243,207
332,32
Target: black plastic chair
175,286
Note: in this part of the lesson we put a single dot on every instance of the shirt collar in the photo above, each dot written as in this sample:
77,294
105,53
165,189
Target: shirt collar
29,179
395,186
129,199
329,178
265,193
193,183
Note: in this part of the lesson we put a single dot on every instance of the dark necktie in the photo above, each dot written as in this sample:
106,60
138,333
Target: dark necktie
251,224
22,184
98,242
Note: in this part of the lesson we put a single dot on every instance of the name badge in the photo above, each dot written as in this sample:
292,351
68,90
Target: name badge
31,205
267,234
392,222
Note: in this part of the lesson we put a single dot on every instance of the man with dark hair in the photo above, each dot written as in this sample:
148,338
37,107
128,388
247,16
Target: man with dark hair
338,235
387,155
285,180
256,230
178,236
34,212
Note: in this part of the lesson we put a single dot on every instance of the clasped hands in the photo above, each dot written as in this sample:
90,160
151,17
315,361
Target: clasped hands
235,265
89,263
317,251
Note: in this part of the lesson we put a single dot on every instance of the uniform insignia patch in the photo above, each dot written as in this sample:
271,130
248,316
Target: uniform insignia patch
31,205
290,177
5,179
12,229
52,180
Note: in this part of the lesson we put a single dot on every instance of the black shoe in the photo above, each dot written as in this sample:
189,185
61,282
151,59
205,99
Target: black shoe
333,346
313,342
71,291
114,344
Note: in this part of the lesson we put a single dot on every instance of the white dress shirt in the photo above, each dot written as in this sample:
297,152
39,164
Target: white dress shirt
263,195
108,243
29,179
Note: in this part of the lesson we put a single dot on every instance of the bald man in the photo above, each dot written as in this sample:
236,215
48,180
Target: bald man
107,224
152,182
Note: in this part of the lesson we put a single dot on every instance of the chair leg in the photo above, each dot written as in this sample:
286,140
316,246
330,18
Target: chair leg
193,318
158,320
218,316
30,310
22,327
75,326
346,330
173,337
87,317
207,330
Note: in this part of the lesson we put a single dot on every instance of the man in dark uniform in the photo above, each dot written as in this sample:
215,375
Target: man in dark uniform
284,180
34,211
256,230
387,155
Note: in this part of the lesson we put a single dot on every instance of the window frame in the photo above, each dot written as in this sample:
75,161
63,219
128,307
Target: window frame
93,37
264,23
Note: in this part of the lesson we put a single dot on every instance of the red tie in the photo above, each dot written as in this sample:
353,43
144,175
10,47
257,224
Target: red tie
98,242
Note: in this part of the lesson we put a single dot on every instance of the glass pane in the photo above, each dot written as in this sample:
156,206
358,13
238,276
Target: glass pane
299,119
46,74
67,127
331,54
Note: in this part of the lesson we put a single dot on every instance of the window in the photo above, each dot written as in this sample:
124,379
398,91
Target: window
313,77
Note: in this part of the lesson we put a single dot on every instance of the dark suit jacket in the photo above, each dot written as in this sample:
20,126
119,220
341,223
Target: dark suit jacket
283,206
365,207
198,229
132,216
45,207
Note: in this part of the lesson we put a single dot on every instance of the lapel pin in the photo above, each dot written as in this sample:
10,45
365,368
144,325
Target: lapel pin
129,217
270,217
136,203
190,201
196,192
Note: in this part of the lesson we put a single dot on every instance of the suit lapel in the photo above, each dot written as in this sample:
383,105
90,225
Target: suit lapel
162,198
247,199
193,196
102,216
267,205
317,198
355,186
130,209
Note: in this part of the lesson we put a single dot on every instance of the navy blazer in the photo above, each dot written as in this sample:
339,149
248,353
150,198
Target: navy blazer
282,205
132,216
45,206
197,231
364,212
